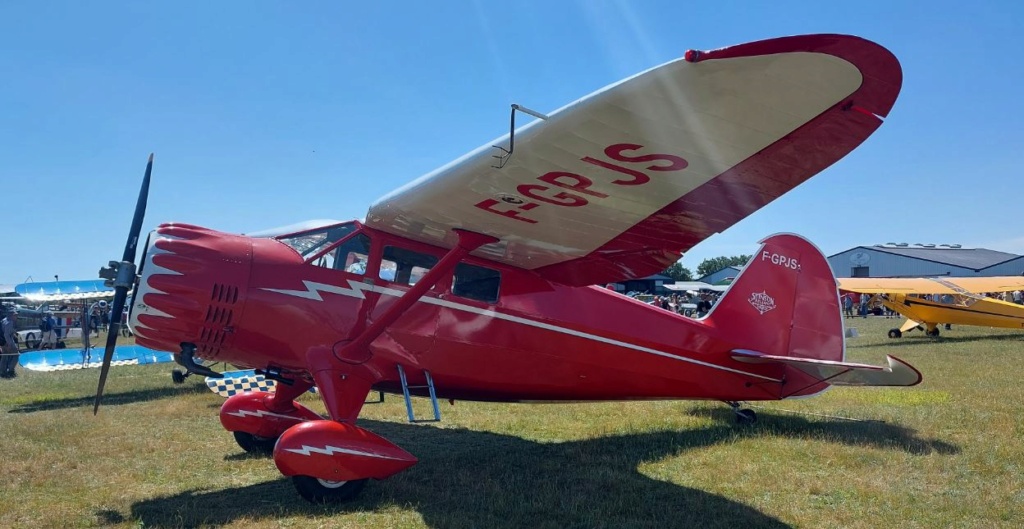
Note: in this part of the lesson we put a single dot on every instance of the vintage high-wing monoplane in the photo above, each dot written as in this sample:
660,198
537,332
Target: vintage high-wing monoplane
933,301
474,282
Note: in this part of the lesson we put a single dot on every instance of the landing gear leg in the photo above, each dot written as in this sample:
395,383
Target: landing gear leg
185,359
743,415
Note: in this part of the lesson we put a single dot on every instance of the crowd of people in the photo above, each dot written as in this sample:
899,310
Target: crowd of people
864,304
694,305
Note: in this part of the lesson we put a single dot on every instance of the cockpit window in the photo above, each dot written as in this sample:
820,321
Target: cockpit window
310,242
404,266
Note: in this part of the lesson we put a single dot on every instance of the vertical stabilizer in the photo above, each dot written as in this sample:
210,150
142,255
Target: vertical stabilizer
785,302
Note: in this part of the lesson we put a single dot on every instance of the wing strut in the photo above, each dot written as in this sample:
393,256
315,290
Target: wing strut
468,241
344,395
507,153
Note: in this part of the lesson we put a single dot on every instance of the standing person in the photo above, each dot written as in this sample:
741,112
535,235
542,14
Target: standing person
9,359
94,322
48,329
848,305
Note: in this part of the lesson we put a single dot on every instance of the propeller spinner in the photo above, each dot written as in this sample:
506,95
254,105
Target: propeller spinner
121,275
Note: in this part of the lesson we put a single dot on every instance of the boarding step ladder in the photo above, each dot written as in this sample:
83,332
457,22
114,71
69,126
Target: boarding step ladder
408,399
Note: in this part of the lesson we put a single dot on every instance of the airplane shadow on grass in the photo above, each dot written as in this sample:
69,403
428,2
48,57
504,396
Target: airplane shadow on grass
479,479
109,399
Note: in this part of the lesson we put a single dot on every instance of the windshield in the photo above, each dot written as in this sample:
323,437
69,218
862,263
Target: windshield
309,243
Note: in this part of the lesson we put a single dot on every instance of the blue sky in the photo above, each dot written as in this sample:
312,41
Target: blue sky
263,114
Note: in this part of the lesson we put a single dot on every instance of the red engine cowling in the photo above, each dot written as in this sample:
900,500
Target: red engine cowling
248,412
338,452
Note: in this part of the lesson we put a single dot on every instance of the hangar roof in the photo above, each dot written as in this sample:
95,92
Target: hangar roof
972,258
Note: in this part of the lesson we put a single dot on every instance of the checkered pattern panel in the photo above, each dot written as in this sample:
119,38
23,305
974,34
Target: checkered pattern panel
227,386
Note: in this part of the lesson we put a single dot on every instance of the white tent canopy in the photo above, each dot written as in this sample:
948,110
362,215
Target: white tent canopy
683,286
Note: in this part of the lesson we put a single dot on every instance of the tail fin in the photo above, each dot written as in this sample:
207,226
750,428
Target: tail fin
785,302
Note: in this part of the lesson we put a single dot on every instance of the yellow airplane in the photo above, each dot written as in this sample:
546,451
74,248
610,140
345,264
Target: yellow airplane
933,301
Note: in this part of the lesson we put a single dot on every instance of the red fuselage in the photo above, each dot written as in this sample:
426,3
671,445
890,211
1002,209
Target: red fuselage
258,303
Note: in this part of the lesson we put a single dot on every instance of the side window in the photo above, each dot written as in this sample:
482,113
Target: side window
349,256
403,266
476,282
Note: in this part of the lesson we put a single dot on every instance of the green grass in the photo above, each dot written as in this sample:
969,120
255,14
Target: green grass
947,453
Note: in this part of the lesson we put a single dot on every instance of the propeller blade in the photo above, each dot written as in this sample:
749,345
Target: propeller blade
140,214
125,280
108,353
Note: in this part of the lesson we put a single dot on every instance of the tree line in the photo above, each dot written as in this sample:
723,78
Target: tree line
680,273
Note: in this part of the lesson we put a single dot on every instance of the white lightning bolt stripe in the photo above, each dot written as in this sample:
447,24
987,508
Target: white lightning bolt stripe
331,450
313,290
263,413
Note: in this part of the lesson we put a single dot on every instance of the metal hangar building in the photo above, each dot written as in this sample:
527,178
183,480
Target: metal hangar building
924,260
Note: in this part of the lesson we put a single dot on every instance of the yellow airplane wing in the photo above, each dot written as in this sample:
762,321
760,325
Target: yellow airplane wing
988,284
931,285
895,285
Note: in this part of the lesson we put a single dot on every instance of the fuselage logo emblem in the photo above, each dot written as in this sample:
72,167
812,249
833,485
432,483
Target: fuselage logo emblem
761,301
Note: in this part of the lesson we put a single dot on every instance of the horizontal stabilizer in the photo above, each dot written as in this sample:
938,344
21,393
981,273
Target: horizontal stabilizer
898,372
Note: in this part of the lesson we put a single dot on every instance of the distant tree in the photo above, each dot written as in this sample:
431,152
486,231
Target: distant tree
710,266
678,272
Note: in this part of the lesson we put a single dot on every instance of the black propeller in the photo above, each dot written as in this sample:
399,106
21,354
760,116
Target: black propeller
121,275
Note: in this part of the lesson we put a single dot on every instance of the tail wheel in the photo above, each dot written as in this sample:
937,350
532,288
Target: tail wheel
746,416
255,444
895,333
177,376
317,490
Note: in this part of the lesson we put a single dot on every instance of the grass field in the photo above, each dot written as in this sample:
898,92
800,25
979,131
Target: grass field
946,453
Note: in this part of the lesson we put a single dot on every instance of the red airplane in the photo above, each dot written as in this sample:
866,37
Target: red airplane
474,282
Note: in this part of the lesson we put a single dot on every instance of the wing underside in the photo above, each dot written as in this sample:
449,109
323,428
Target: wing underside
619,183
52,291
67,359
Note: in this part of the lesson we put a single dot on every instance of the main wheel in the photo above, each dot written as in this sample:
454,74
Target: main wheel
746,416
255,444
177,376
933,333
895,333
31,341
317,490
